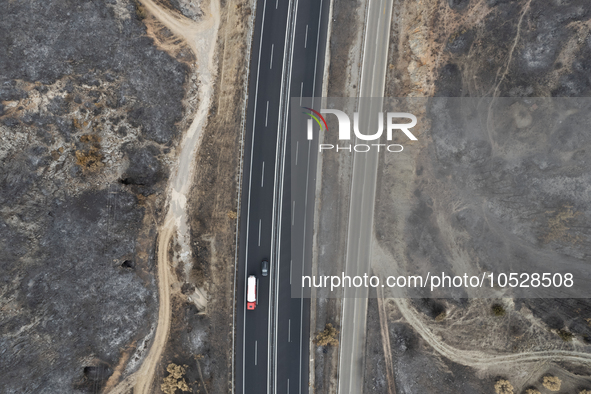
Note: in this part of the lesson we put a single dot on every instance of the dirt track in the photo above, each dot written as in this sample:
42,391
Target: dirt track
145,375
480,359
203,32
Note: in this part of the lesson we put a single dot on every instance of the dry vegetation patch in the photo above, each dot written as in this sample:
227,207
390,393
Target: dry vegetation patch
175,379
552,383
328,336
503,387
89,158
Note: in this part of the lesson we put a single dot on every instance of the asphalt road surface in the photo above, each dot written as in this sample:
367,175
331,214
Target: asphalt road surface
287,60
363,190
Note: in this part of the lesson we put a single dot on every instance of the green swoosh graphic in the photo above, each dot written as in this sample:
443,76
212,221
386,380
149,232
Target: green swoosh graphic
315,118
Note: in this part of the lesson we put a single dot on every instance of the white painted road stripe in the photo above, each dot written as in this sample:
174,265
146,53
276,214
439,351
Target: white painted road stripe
259,232
267,115
297,149
292,213
289,331
301,92
304,237
255,352
272,48
306,39
263,175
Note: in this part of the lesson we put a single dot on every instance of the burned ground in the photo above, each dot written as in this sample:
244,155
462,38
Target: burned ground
375,369
88,120
506,197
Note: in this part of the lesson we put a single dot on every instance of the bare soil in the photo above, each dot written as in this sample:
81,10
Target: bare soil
376,369
90,117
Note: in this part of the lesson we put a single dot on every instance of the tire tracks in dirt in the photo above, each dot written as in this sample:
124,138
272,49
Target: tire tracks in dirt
478,359
383,264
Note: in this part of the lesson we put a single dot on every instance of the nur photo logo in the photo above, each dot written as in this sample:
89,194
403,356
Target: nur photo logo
392,121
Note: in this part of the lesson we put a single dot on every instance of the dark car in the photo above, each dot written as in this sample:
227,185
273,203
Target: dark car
265,268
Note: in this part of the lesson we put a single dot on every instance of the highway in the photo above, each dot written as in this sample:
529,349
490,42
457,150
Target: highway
272,341
363,191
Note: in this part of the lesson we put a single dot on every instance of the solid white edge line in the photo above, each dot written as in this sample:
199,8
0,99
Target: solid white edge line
288,90
272,341
303,264
239,198
339,391
360,89
324,93
358,318
248,208
306,202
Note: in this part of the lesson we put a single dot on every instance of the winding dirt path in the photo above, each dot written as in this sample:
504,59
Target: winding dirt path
201,37
382,264
480,359
145,375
